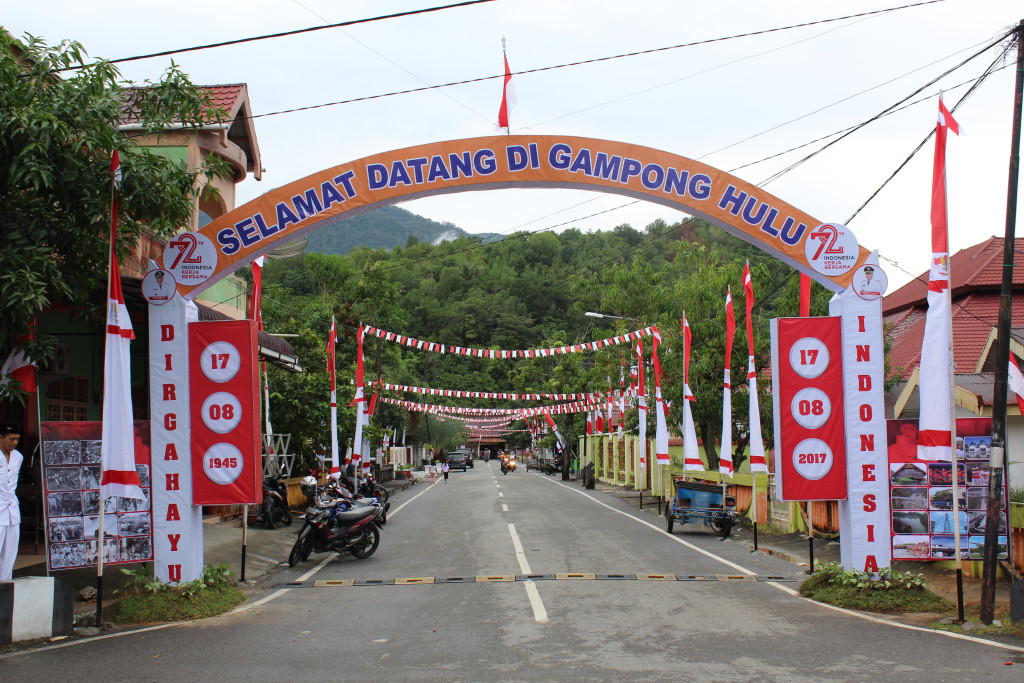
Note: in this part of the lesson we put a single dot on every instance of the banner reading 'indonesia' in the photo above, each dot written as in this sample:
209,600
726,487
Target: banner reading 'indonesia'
198,259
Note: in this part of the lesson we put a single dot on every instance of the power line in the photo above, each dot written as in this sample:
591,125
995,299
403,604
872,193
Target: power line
283,34
595,60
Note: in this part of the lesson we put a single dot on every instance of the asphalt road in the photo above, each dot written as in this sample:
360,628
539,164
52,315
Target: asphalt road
483,524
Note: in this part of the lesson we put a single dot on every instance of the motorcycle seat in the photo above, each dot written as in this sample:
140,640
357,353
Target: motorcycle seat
354,515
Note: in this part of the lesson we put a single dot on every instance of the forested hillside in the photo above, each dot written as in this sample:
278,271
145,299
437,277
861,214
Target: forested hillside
525,291
387,227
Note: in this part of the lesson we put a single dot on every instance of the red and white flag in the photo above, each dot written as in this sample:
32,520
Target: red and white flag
725,455
256,302
332,339
641,402
19,367
661,428
756,443
805,295
359,401
117,448
558,435
691,452
622,398
934,436
1017,382
508,99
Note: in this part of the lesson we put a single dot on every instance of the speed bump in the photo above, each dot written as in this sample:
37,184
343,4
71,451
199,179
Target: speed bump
496,578
422,579
584,576
735,577
656,577
333,582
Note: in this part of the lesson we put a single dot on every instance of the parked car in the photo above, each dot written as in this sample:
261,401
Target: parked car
460,460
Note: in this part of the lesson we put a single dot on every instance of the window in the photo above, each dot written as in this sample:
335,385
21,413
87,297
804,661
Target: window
68,400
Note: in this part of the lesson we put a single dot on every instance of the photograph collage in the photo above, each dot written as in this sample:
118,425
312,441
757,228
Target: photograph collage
71,479
924,522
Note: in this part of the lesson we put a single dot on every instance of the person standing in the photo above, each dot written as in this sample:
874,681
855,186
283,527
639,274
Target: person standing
444,470
10,514
433,473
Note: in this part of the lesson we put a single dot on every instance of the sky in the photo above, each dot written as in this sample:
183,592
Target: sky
731,104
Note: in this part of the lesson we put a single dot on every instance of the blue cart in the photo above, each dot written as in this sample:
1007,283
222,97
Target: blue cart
701,503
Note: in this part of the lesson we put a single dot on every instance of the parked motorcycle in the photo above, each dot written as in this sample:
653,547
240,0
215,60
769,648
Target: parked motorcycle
274,508
335,490
368,488
338,525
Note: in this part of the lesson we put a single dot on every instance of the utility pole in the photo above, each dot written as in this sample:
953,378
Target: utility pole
997,455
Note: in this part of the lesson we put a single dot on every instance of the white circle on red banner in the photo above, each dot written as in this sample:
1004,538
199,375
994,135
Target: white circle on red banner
809,357
221,412
812,459
222,463
811,408
220,361
191,257
831,249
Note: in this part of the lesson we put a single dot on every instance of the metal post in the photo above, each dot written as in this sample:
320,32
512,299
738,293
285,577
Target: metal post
996,456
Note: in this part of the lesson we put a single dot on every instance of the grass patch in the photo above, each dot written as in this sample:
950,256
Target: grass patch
891,592
149,601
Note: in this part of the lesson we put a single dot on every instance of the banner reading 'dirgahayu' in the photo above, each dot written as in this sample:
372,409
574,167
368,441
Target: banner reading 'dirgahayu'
824,251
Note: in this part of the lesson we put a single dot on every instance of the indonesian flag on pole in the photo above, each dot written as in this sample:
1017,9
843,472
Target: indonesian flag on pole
661,430
756,445
590,423
117,449
508,99
1016,382
622,397
641,402
558,435
934,436
359,400
332,339
691,453
725,465
19,367
610,405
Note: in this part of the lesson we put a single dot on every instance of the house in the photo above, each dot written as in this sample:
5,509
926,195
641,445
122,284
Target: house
975,282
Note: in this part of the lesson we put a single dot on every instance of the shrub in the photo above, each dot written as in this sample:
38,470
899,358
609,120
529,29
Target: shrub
887,591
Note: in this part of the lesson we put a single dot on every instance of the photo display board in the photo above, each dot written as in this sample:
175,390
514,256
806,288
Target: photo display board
71,482
921,494
810,430
226,467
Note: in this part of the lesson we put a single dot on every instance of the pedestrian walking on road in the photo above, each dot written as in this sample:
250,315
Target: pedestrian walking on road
444,471
433,472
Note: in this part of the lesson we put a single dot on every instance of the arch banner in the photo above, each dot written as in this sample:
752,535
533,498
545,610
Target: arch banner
826,252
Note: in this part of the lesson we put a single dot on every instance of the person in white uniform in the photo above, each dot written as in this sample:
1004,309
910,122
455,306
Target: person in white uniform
10,515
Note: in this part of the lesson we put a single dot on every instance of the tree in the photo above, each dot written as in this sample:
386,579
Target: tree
57,135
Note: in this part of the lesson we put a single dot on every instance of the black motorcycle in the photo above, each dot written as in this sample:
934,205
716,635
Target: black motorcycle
338,526
274,508
368,488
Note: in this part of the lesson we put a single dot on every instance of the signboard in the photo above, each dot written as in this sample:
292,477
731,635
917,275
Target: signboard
921,494
810,436
826,252
226,468
71,482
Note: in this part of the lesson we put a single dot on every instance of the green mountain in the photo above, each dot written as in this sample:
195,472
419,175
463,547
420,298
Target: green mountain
387,227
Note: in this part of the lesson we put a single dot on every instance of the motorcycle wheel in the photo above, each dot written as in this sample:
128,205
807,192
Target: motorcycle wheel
302,548
286,515
670,523
722,526
269,512
367,545
383,518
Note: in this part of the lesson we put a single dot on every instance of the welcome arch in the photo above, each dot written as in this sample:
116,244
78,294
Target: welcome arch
827,253
199,259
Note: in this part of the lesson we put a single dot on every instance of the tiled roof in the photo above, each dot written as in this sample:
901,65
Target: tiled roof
975,277
973,268
227,97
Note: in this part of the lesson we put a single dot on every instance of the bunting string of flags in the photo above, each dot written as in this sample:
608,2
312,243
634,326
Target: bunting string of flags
435,347
515,413
454,393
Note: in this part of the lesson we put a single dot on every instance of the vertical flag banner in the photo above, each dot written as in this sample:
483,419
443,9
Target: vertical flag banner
1016,382
622,397
332,339
691,454
117,449
558,435
661,429
725,466
934,437
641,402
359,400
508,95
256,301
757,460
